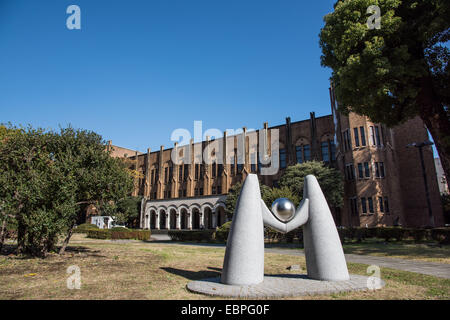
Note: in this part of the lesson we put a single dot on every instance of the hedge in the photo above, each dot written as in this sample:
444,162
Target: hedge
115,235
85,227
202,235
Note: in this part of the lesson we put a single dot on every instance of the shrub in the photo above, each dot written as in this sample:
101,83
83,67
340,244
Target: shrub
442,235
85,227
131,234
99,234
119,229
388,233
223,231
115,235
202,235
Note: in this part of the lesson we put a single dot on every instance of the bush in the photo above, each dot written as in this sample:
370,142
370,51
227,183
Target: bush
99,234
203,235
115,235
85,227
119,229
388,233
223,231
442,235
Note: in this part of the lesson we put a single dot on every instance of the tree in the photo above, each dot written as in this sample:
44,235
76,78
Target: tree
128,210
396,72
330,180
46,178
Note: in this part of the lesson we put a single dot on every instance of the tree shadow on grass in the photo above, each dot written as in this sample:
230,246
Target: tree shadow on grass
11,250
192,275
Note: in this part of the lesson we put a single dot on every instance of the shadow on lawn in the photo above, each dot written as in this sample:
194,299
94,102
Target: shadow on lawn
11,250
424,250
193,275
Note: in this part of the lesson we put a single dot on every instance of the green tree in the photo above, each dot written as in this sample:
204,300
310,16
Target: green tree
47,177
269,195
396,72
128,211
330,180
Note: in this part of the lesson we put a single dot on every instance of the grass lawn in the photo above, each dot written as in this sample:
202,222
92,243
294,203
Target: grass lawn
145,270
430,252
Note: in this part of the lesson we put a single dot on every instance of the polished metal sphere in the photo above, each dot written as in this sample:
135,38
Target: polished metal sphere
283,209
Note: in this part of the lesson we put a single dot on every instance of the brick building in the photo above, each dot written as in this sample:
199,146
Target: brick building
383,177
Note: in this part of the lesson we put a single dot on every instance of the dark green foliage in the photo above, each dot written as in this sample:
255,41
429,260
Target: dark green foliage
204,235
45,178
85,227
116,235
223,231
441,235
230,202
128,211
396,72
330,180
119,229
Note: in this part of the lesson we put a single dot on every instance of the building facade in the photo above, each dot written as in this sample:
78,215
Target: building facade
383,180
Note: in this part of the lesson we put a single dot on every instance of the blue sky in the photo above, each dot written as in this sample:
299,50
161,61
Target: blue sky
139,69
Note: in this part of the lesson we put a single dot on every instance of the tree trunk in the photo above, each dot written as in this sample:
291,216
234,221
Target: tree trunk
437,122
66,241
2,234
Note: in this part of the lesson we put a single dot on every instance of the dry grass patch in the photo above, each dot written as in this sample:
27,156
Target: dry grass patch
146,270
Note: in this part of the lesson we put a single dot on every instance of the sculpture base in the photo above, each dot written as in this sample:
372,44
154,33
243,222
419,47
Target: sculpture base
288,285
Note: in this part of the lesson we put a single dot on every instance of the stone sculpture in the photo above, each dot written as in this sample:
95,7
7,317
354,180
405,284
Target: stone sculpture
244,256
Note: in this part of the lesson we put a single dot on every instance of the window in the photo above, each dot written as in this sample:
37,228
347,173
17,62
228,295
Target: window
186,172
356,134
220,170
253,161
360,171
169,194
213,190
282,158
370,201
180,193
375,136
197,173
214,168
379,169
201,191
166,174
347,140
170,172
363,136
180,173
386,205
333,151
325,152
366,170
307,152
202,170
152,179
184,193
350,171
381,204
240,166
219,189
299,154
363,205
196,191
